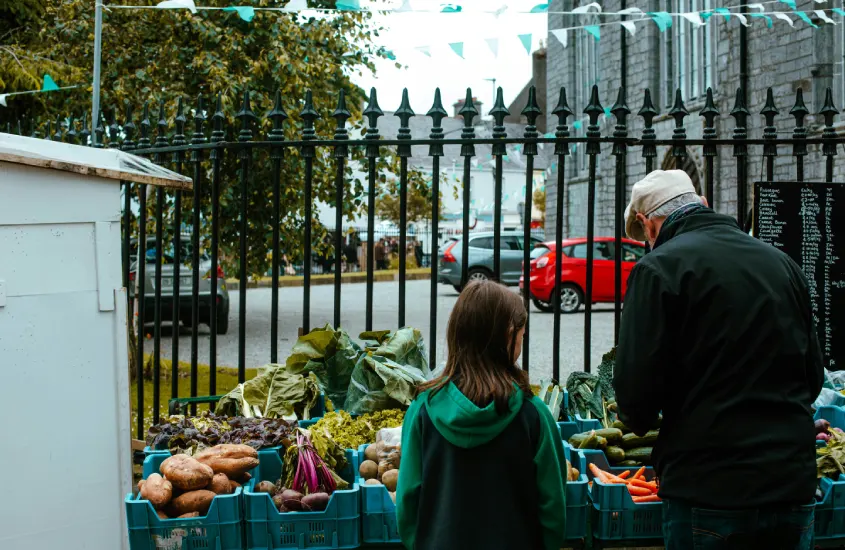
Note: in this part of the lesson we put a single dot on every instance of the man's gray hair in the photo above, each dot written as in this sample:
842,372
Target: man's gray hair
671,205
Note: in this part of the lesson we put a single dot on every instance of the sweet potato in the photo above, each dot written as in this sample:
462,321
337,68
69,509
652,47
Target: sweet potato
220,485
193,501
162,515
190,515
229,459
234,484
157,490
186,473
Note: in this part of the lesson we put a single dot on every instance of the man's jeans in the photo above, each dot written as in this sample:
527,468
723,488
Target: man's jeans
784,528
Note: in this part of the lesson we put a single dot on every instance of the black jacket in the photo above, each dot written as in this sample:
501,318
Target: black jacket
717,333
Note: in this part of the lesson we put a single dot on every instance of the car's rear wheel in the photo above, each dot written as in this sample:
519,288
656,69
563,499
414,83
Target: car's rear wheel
475,274
542,306
223,320
571,298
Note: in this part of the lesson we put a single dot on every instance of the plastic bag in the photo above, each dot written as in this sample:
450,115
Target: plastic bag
829,397
834,380
389,445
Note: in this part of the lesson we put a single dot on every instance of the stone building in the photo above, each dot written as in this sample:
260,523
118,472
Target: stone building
782,57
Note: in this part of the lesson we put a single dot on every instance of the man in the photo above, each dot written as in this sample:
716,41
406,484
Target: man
718,335
379,254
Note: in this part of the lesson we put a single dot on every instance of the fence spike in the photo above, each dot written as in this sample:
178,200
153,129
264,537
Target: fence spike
71,135
85,133
740,113
161,136
58,135
247,117
829,111
49,134
594,110
341,114
679,113
114,131
531,112
180,120
405,113
309,115
372,112
20,132
219,117
468,112
621,111
100,130
279,116
769,112
437,113
128,129
499,112
562,112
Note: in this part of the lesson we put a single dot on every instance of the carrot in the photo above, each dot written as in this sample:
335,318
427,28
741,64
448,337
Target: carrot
643,484
624,475
644,499
640,473
599,473
639,491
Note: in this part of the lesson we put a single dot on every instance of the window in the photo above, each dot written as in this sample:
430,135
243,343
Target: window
511,243
631,253
687,53
601,251
539,251
521,240
482,242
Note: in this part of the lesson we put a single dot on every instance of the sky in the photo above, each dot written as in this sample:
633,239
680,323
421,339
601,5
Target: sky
407,31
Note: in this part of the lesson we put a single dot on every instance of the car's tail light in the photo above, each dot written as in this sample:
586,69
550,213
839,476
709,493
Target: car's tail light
220,274
131,275
542,261
448,257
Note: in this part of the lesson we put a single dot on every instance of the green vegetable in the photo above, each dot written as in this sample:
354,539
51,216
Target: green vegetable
331,355
619,425
274,393
830,459
615,454
351,433
613,435
588,440
630,441
627,463
589,395
641,454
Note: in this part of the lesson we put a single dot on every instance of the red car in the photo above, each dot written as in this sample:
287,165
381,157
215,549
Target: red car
574,271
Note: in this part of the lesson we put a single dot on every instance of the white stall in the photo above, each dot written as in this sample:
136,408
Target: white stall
65,457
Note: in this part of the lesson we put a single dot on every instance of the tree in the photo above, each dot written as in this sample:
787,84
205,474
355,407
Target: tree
539,201
419,197
162,56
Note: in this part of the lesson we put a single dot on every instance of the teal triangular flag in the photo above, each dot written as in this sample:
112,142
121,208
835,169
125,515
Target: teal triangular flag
790,3
244,12
607,111
548,135
768,19
840,11
517,147
662,19
540,8
705,15
348,5
595,30
806,19
48,85
723,11
450,8
458,48
576,124
506,159
526,41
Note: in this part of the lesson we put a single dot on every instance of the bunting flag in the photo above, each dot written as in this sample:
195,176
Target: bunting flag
49,85
540,8
3,100
425,50
786,18
804,17
458,48
526,41
493,44
824,17
560,34
662,19
451,8
790,3
172,4
247,13
694,18
595,30
629,26
348,5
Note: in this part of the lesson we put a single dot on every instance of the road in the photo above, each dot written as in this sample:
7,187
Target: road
385,313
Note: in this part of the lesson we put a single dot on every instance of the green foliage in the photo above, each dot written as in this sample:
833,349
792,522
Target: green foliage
160,56
420,196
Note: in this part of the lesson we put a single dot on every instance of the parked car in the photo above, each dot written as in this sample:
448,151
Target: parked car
206,302
481,258
574,272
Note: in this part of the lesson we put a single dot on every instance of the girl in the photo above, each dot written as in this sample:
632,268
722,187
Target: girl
482,458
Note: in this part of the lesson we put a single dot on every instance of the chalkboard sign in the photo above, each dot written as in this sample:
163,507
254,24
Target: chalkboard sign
807,222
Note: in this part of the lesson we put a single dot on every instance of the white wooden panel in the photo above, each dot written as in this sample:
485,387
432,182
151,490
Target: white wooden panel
45,259
59,377
122,437
38,195
107,248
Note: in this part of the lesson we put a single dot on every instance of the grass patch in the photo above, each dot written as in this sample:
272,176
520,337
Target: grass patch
227,379
283,278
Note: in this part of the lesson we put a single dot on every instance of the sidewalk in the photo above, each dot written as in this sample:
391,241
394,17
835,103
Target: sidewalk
328,279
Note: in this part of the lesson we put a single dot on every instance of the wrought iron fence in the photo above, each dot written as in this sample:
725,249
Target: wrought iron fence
200,154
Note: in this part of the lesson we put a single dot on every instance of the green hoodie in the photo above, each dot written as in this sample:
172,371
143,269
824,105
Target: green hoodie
465,425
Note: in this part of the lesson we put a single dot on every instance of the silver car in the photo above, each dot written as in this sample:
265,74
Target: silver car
480,265
221,301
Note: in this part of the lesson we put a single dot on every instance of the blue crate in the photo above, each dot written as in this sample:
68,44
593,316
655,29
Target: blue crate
221,528
830,511
568,429
577,504
615,515
585,425
378,513
338,526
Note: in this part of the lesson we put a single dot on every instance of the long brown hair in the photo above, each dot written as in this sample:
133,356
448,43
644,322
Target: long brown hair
481,338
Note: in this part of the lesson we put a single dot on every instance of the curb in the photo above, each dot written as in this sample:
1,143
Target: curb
355,278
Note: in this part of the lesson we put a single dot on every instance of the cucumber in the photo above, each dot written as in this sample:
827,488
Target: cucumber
619,425
642,454
628,463
613,435
593,441
577,439
615,454
632,441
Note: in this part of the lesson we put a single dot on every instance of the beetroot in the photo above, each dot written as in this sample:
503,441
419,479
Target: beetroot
822,437
292,500
822,426
316,502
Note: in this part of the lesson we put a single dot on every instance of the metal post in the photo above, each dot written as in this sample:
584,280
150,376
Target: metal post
98,52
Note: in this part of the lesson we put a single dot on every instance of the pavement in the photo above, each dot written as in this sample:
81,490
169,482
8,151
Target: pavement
353,297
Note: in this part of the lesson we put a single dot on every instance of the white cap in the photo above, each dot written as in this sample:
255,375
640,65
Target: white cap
652,192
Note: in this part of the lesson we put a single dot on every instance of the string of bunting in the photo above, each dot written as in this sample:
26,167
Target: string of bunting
48,85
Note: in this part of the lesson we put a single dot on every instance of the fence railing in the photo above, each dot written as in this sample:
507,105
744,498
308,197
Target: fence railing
205,157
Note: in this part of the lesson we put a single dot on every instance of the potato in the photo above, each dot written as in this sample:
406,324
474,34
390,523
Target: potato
157,490
162,515
220,485
141,486
265,487
371,453
368,469
390,479
393,497
232,460
383,468
190,515
234,484
193,501
279,503
372,482
244,479
186,473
